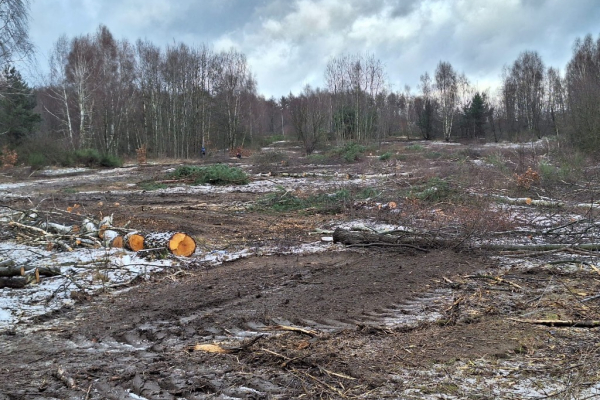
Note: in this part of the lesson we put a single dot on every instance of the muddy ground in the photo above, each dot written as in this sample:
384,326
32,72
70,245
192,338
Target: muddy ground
364,322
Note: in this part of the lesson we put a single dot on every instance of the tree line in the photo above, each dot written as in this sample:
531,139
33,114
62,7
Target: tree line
116,96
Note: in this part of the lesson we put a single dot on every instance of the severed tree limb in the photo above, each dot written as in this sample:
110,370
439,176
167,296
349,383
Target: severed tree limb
419,242
16,270
558,322
541,247
62,375
16,282
497,279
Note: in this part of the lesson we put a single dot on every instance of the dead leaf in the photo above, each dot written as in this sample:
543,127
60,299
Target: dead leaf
303,345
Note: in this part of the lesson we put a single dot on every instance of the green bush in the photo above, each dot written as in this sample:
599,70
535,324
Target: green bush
90,158
218,174
111,161
415,147
283,200
434,190
351,152
37,160
87,157
385,156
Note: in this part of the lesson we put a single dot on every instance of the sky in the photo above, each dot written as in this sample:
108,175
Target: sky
288,43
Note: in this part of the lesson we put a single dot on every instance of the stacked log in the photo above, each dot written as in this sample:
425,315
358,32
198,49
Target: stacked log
177,243
37,230
134,241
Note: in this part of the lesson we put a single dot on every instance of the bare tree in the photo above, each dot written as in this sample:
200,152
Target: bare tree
583,84
355,82
309,116
446,85
524,90
233,79
555,101
424,107
14,31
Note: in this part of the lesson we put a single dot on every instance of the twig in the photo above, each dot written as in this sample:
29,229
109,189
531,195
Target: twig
558,322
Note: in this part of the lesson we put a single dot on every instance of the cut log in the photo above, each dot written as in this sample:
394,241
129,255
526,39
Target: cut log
14,283
178,243
16,270
112,239
352,238
57,228
88,226
134,241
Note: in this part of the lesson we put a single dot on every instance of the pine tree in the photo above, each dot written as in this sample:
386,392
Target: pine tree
475,115
17,102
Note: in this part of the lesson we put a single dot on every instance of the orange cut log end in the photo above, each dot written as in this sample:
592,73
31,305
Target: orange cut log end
134,242
117,242
182,245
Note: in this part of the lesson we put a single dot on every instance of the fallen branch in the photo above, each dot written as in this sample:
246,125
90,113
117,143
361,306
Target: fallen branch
412,240
62,375
310,333
495,278
558,322
16,270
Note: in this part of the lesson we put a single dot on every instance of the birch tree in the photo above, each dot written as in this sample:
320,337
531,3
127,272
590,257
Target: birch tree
446,86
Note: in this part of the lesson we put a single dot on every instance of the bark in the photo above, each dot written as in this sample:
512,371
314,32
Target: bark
14,283
17,270
177,243
554,322
352,238
112,238
134,241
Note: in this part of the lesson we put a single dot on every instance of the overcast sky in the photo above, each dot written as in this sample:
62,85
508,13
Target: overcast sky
289,42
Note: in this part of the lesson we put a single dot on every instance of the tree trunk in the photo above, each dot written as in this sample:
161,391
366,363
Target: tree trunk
134,241
176,243
352,238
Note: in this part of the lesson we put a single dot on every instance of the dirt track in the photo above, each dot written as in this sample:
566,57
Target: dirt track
368,323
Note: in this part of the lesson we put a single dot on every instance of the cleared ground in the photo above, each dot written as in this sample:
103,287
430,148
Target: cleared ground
360,322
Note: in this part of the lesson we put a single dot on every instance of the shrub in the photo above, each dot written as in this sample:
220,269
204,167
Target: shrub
87,157
37,160
415,147
218,174
8,157
109,160
351,152
434,190
385,156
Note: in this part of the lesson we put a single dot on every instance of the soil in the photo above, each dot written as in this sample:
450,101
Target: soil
345,323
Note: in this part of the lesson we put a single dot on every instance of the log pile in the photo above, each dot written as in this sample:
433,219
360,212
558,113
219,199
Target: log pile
35,229
96,234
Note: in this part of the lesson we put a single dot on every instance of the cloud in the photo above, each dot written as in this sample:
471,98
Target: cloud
289,42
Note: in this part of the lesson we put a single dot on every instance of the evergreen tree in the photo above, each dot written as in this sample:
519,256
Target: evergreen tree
17,102
475,115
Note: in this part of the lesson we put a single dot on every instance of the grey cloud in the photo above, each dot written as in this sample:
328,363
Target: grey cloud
289,42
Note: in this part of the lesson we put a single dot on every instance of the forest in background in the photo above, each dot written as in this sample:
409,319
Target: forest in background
114,97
